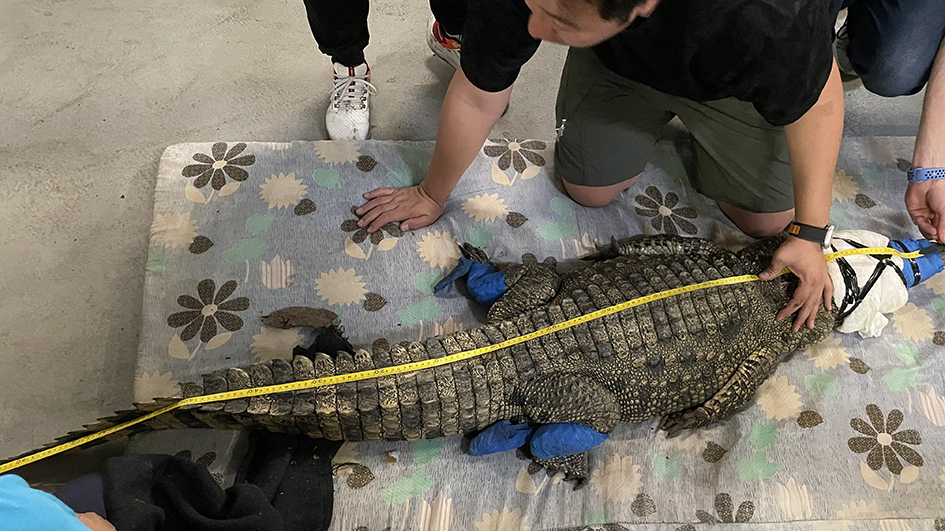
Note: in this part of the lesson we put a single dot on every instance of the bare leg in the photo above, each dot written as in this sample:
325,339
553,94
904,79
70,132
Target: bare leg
596,196
757,225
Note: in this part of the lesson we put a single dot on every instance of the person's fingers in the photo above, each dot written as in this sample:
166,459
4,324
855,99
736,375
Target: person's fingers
379,192
374,202
924,223
789,308
371,205
939,228
381,200
772,270
802,294
416,223
374,213
392,214
809,312
828,296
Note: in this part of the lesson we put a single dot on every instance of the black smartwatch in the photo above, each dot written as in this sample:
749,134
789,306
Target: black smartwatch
821,235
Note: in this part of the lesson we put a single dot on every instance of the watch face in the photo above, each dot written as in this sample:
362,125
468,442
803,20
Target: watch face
829,237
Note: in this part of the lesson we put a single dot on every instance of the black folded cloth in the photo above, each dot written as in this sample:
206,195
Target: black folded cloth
284,484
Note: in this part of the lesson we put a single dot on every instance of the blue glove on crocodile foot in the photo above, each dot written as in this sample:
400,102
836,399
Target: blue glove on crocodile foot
545,442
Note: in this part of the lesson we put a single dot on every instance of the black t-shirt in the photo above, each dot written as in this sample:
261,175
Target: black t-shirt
775,54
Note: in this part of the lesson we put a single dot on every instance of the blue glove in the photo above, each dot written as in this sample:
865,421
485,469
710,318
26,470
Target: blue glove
545,442
499,437
484,282
568,438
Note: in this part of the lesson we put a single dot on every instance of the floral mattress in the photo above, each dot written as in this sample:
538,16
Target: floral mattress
847,435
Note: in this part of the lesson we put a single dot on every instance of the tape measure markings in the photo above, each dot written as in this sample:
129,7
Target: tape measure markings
426,364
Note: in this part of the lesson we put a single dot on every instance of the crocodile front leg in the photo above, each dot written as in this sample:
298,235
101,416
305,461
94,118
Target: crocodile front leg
530,285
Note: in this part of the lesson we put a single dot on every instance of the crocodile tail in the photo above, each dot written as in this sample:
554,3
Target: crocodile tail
432,402
460,397
119,417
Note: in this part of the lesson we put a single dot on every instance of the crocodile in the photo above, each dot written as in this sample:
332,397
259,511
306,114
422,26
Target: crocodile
691,359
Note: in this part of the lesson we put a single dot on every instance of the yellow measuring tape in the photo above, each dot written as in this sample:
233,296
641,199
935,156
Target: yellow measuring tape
425,364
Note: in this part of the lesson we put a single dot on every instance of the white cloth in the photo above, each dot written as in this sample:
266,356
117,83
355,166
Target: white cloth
887,295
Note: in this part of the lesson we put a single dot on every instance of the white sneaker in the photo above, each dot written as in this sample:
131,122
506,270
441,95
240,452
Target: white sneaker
442,46
349,107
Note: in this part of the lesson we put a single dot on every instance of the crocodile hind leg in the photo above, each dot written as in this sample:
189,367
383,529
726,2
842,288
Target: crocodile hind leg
570,397
733,395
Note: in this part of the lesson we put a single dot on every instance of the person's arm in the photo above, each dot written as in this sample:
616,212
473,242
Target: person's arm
926,201
467,116
813,144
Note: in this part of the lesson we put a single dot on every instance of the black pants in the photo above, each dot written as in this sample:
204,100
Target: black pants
893,43
341,31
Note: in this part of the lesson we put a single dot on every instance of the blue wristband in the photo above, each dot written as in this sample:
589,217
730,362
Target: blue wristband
918,175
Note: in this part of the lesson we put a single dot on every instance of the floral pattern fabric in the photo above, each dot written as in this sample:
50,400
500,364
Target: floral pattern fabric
848,435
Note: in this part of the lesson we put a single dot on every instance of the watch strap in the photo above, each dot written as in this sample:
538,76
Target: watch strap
810,232
918,175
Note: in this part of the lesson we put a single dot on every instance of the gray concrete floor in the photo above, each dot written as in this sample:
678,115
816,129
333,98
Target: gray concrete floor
91,93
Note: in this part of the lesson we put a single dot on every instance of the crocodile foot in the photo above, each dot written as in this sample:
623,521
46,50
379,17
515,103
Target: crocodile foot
675,423
475,253
574,467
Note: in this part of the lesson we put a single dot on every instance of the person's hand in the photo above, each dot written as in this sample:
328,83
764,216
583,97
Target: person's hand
95,522
411,206
926,204
806,260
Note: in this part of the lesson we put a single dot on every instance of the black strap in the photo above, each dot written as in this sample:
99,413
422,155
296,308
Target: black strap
916,273
853,295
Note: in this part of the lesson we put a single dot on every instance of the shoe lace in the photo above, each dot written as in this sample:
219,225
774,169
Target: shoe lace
351,92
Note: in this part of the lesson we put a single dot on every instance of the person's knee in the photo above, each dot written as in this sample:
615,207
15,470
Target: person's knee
591,201
896,58
761,231
890,80
595,196
757,225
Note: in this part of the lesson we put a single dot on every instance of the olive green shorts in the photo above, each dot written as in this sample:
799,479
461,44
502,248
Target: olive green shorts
611,125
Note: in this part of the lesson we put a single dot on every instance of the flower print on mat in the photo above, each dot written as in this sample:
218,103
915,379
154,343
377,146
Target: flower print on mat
337,152
222,164
439,249
282,191
173,229
276,274
204,313
664,212
340,286
273,343
149,386
352,243
515,153
883,442
725,511
506,520
485,207
616,478
343,287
